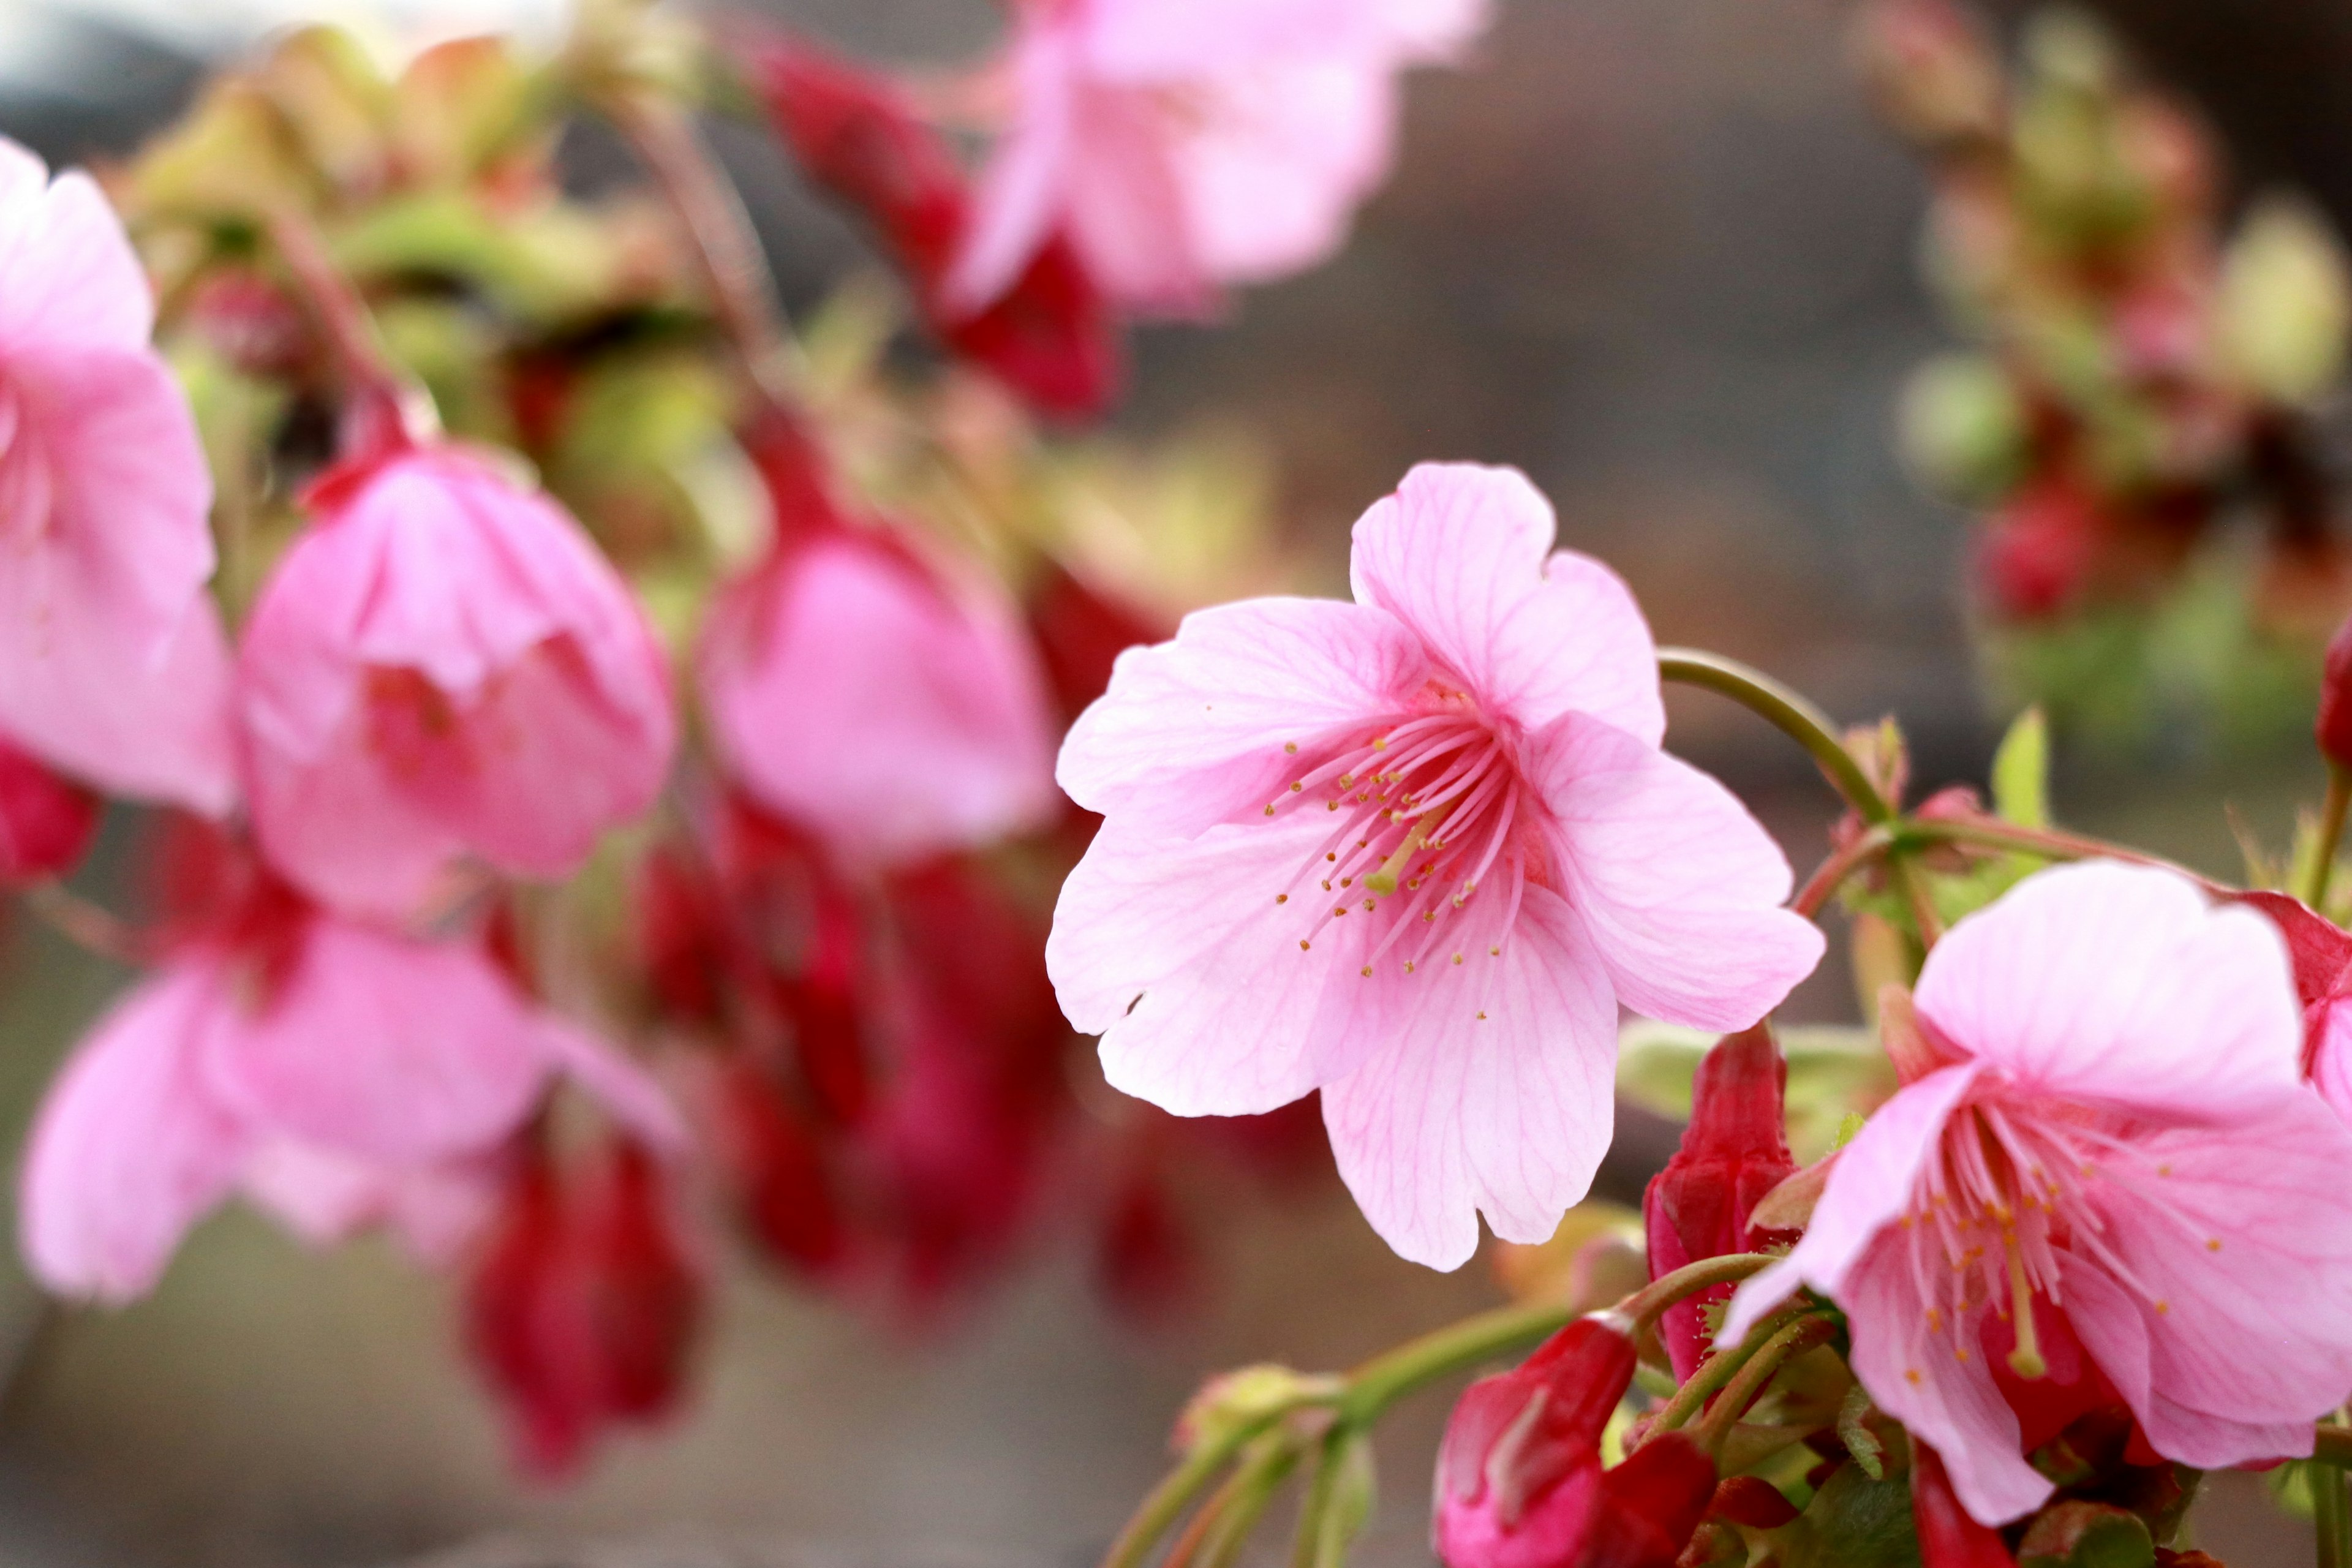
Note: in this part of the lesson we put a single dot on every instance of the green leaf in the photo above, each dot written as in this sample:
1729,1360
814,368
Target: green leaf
2078,1534
1858,1438
1854,1522
2021,771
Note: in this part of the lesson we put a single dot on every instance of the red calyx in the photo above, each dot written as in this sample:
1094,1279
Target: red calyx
1050,338
46,822
583,1305
1733,1153
1948,1537
2334,729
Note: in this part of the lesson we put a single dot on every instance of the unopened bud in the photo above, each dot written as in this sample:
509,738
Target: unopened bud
2285,303
1931,69
1244,1399
45,822
1963,428
2334,729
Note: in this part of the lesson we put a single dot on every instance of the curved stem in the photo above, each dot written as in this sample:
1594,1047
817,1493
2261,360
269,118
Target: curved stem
1786,710
1216,1537
1755,1372
1177,1488
388,407
1832,874
1716,1371
1993,833
2331,835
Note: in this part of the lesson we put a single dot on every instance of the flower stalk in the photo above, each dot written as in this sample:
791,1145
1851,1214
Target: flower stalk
2331,835
386,409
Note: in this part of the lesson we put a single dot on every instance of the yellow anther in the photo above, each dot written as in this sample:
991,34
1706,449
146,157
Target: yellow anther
1367,972
2162,1307
1495,951
1297,785
1457,958
1303,945
1380,743
1282,898
1368,903
1291,746
2213,1244
1482,1017
1911,1375
1408,966
1269,811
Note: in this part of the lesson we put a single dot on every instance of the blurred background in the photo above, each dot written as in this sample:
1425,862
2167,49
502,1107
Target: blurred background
1657,253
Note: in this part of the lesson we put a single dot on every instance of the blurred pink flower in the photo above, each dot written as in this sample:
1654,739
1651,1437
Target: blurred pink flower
1184,145
880,700
2106,1141
341,1075
113,667
444,665
1414,850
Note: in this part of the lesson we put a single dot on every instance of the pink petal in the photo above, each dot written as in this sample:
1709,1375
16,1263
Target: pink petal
1128,210
1021,196
1461,554
2331,1063
895,714
1869,1188
1174,950
384,1048
2118,986
128,1149
324,1197
1455,1114
1154,41
1680,887
1935,1379
621,1089
340,828
1192,730
2253,1329
67,273
1433,29
1279,158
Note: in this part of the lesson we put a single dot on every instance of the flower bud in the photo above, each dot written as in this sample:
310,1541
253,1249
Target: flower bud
1963,427
1245,1397
1520,1479
2036,556
2285,303
787,1192
1948,1537
45,822
2334,729
1733,1153
1931,69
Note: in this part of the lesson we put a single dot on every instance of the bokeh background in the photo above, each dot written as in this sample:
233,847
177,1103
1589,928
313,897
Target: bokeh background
1656,252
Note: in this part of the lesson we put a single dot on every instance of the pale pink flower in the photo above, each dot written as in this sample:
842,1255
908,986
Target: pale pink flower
886,703
2106,1141
340,1075
113,667
1413,851
1184,145
443,666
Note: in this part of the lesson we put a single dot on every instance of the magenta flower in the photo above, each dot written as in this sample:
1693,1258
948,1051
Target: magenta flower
113,667
443,665
217,1073
887,705
1413,851
1181,146
2106,1136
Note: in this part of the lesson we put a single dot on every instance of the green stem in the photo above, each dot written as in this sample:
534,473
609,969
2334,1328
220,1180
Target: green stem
2331,834
1176,1491
2331,1515
1992,833
1717,1370
1224,1528
1327,1518
1832,874
1755,1372
1380,1382
1786,710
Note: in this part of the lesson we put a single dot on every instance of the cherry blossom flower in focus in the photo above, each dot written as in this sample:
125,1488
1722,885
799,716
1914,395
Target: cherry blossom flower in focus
210,1077
1520,1479
1415,851
444,665
1183,146
114,666
2104,1152
2321,952
871,693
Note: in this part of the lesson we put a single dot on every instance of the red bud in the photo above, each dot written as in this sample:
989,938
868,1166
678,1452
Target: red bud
2334,730
45,822
1733,1153
1948,1537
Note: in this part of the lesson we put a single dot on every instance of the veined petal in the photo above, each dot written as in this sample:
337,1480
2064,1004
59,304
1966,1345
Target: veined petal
1462,554
1509,1113
1679,885
2236,1247
128,1149
2120,985
1931,1374
1193,729
70,274
1175,952
1872,1183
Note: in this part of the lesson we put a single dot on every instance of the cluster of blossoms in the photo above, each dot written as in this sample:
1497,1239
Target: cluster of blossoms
580,775
2138,383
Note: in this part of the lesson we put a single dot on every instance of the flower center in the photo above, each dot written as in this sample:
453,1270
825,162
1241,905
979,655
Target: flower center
2009,1190
1423,814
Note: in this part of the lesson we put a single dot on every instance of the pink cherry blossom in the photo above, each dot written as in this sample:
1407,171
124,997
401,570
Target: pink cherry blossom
1182,146
1414,852
883,701
338,1074
443,665
113,667
2114,1142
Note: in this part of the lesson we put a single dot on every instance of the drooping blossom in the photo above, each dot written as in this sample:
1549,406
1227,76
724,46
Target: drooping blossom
872,692
1520,1479
1048,334
336,1075
1183,147
443,666
1414,850
586,1302
113,667
2105,1154
1733,1153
